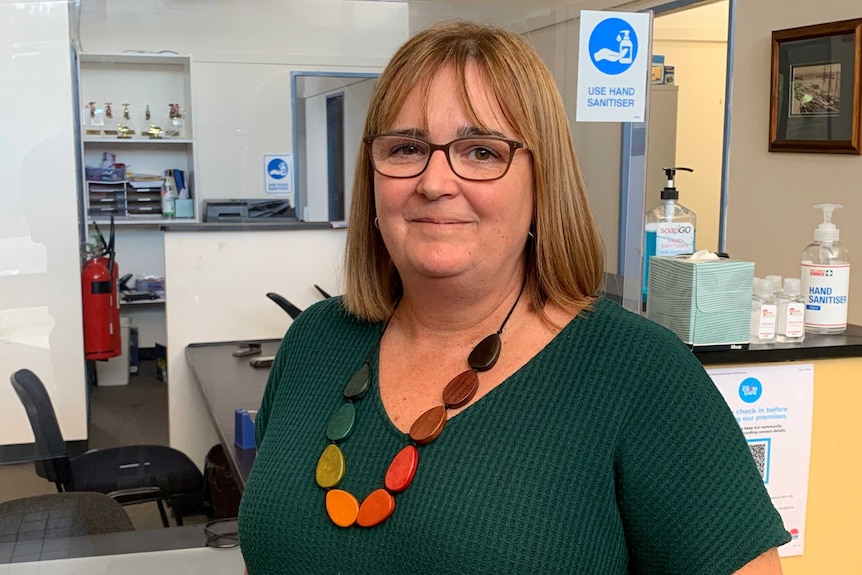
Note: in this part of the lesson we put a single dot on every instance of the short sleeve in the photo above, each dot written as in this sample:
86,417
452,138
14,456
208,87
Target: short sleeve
689,494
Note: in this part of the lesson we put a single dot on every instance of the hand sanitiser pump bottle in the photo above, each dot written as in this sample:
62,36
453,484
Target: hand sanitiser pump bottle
669,226
825,278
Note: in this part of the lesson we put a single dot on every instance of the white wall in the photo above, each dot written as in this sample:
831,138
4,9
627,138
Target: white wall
216,291
40,282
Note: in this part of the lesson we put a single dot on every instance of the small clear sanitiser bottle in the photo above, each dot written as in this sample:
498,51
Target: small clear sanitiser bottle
791,313
764,312
776,286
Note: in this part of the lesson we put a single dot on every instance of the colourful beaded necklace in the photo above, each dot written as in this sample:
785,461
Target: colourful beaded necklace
342,507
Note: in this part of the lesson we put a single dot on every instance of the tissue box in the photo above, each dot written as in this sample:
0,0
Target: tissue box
184,208
707,303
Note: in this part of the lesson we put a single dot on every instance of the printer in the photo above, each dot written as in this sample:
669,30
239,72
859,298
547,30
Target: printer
249,211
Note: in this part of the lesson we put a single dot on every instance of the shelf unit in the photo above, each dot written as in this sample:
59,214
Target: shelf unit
139,81
123,200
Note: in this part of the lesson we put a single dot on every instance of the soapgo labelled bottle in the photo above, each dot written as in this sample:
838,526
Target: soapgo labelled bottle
825,278
669,228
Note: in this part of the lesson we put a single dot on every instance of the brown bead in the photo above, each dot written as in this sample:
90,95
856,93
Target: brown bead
461,389
429,425
485,354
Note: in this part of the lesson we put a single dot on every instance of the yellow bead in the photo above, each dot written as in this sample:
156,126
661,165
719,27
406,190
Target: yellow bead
330,467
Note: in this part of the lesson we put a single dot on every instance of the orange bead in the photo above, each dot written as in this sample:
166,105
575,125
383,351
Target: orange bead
402,469
342,507
376,508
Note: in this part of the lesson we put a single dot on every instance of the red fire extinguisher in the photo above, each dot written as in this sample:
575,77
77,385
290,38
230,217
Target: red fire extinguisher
102,339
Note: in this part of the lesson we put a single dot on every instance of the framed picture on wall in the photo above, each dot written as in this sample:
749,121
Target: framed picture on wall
815,103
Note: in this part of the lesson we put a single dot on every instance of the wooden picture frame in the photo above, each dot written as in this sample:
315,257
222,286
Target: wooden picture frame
815,100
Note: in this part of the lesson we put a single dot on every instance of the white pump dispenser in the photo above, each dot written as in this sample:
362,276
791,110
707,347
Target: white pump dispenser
826,278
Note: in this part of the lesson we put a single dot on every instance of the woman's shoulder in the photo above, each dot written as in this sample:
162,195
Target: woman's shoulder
328,317
616,325
325,313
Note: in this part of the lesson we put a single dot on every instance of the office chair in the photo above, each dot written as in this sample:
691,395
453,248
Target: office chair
284,304
130,475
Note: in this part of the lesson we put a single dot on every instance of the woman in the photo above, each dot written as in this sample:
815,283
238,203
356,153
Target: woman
574,437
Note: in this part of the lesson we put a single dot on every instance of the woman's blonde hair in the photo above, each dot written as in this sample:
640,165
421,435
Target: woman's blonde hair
565,258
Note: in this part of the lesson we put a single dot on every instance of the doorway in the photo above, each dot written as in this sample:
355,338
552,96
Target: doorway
693,43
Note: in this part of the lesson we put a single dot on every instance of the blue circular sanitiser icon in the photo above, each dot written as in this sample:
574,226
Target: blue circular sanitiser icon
750,390
277,169
613,46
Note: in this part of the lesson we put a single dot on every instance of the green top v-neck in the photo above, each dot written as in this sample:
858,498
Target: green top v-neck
610,452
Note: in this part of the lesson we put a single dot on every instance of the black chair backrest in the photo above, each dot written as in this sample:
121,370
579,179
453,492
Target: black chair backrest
52,460
284,304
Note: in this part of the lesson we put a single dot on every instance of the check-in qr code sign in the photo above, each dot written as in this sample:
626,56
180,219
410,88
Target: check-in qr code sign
760,452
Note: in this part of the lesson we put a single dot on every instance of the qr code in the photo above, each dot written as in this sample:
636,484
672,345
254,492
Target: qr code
760,454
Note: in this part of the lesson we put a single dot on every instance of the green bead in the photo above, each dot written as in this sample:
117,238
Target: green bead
341,424
359,384
330,467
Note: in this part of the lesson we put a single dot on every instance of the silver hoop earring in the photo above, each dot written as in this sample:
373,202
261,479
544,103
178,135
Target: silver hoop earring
376,223
531,232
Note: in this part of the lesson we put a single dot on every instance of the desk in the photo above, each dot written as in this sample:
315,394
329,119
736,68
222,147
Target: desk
228,383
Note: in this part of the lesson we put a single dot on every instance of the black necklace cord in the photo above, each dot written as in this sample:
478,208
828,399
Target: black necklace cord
508,315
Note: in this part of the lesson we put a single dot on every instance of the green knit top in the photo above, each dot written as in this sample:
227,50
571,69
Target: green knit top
611,451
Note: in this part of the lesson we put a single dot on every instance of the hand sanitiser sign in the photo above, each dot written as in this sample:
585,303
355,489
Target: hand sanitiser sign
613,66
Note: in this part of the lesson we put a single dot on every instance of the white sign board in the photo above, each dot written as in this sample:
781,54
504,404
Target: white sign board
774,406
613,66
278,174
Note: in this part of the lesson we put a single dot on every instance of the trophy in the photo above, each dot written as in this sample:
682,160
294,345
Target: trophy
176,120
110,128
97,118
125,132
154,132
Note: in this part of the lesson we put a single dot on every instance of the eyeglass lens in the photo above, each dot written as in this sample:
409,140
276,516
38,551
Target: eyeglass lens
479,158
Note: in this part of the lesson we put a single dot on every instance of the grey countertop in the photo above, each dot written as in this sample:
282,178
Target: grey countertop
848,344
263,226
228,383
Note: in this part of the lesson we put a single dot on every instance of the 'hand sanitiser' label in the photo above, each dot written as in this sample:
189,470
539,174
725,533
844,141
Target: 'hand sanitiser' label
825,289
